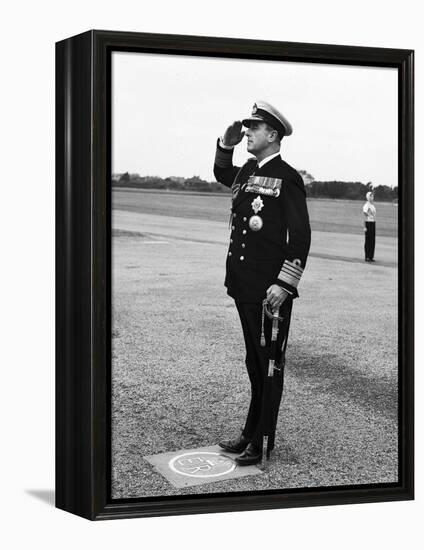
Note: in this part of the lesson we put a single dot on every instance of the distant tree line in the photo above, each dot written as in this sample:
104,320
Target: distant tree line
353,190
194,183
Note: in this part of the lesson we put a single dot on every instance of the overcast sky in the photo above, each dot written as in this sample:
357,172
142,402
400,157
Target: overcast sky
168,111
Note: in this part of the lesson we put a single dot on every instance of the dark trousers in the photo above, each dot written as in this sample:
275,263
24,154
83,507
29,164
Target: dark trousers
369,240
257,358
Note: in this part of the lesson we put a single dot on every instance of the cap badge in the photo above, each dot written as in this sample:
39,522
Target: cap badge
254,109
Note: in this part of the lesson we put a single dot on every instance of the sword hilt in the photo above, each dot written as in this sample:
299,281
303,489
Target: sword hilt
268,312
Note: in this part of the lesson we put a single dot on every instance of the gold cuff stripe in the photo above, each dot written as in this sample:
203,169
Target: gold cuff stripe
292,271
285,278
294,266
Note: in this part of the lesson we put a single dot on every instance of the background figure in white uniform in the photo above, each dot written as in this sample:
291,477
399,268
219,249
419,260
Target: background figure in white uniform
369,218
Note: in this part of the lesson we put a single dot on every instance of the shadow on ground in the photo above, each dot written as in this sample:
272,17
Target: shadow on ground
378,395
45,495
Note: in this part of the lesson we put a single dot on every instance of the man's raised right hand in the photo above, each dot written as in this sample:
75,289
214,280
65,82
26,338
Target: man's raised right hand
233,134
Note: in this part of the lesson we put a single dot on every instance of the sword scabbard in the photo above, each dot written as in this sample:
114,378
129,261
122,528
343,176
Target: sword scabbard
264,449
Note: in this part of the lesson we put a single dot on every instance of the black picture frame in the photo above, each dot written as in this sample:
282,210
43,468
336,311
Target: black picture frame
83,235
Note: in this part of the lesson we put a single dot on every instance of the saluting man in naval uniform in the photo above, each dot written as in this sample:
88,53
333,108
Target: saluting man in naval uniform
269,245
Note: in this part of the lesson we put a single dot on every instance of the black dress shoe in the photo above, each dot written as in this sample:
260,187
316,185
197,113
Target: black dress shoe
252,455
236,445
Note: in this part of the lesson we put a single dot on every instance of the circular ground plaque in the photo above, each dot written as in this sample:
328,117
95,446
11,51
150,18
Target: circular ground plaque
202,464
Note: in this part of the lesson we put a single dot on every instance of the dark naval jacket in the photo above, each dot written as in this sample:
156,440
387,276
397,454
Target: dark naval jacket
273,249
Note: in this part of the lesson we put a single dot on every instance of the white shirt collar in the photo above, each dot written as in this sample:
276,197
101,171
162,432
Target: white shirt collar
267,159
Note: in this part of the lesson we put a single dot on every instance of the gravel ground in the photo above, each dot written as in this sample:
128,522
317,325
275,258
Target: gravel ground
179,379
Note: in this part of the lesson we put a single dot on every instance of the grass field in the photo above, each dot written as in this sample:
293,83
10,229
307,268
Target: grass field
179,379
340,216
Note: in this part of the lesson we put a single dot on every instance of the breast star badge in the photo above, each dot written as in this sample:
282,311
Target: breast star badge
257,204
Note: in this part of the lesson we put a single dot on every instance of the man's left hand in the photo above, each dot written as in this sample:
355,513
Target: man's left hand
276,296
